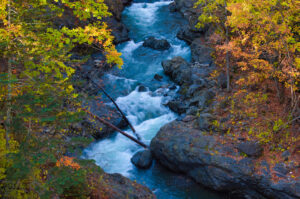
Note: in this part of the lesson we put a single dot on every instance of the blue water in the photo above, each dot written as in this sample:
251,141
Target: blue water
145,110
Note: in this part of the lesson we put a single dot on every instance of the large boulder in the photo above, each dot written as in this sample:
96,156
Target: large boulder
219,167
156,44
142,159
178,69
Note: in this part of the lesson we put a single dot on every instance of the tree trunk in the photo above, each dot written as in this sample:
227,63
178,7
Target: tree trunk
116,128
9,87
227,52
118,108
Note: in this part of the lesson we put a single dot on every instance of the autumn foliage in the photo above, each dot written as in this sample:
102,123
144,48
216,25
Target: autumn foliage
37,99
262,42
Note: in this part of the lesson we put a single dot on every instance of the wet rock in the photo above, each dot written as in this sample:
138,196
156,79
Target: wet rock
158,77
251,149
178,69
173,87
142,159
177,106
156,44
142,89
172,7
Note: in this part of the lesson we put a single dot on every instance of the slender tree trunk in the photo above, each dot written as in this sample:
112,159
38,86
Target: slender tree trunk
227,52
116,129
118,108
9,86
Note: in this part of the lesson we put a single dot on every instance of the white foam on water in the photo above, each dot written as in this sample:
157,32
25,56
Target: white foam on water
140,106
129,48
114,154
144,14
149,128
148,115
179,50
125,82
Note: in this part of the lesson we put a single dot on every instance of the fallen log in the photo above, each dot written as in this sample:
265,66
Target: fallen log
118,108
116,128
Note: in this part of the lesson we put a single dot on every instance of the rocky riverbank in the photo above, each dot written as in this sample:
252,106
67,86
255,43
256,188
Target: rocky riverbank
194,146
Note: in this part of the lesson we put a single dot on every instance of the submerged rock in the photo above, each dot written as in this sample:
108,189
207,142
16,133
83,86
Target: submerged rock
142,89
158,77
142,159
156,44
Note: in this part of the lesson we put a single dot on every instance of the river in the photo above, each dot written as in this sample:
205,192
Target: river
145,110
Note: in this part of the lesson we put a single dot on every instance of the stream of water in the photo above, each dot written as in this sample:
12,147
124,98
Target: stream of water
145,110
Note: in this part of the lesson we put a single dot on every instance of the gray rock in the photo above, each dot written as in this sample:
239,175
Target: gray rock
192,110
204,121
172,7
173,87
178,69
200,52
158,77
177,106
222,81
281,168
286,154
186,150
202,99
142,159
118,30
156,44
115,186
142,89
251,149
188,35
189,118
